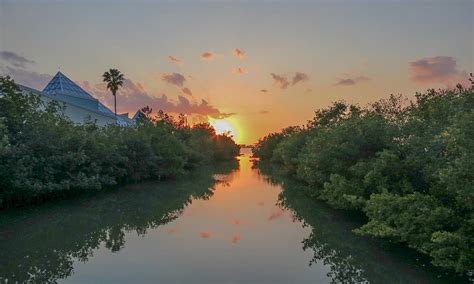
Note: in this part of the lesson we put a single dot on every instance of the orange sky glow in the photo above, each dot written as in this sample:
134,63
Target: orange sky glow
246,67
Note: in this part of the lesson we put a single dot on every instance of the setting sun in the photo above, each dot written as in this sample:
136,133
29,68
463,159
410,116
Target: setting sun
225,126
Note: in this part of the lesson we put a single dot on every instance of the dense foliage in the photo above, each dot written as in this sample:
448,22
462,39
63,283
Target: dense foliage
408,166
44,154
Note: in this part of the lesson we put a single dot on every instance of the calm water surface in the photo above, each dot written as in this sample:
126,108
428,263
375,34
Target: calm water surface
230,224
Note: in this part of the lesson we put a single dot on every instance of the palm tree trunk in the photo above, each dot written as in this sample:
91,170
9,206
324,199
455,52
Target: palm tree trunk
115,104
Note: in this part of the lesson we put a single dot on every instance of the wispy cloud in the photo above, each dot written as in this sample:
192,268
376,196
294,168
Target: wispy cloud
350,80
174,59
174,79
30,79
15,59
263,91
240,54
438,69
280,81
208,55
222,115
240,70
187,91
299,77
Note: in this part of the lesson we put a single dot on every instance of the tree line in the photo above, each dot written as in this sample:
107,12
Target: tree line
44,155
408,166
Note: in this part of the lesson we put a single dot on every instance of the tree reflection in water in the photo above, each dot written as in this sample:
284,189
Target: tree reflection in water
41,244
350,258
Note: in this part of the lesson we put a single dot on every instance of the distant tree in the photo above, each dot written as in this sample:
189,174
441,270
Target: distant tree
148,114
114,79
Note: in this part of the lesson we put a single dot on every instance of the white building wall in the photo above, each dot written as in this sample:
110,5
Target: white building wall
76,113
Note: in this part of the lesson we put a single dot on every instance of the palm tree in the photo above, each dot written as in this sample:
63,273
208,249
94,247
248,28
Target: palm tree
114,79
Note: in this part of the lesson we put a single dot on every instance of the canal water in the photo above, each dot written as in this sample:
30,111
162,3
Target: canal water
235,223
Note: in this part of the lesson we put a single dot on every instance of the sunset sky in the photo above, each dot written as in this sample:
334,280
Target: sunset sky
256,65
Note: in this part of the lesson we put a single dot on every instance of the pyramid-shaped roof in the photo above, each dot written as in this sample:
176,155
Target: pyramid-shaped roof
60,84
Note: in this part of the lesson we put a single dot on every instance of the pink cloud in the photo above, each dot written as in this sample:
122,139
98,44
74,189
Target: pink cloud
132,96
208,55
350,80
174,59
240,54
187,91
299,77
280,81
174,79
240,70
438,69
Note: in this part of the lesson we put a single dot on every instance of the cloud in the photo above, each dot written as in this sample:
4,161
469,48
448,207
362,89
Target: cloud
205,234
240,70
263,112
438,69
15,59
174,59
299,77
208,55
187,91
16,70
240,54
174,79
260,203
222,115
30,79
350,80
132,96
280,81
235,238
264,91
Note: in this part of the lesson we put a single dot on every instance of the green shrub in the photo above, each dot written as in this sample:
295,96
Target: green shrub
43,154
408,167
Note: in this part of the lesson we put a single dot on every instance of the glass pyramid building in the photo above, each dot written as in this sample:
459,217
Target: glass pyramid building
60,84
63,89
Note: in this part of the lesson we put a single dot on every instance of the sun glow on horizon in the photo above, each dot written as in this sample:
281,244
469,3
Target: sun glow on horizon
226,126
